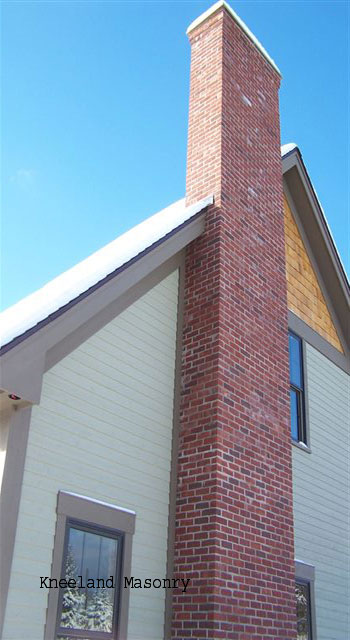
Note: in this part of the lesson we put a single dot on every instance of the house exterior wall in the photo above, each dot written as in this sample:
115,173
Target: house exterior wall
321,494
5,413
103,429
304,294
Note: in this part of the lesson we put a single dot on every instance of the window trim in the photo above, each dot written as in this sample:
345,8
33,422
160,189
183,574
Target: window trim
304,444
99,515
101,531
305,574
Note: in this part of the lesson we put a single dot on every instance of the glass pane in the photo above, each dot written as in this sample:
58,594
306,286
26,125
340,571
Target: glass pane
91,564
294,414
302,593
295,361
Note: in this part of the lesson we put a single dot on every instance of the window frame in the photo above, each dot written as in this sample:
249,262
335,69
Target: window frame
305,574
98,517
102,531
303,441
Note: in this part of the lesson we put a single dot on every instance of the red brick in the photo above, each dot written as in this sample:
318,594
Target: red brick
234,533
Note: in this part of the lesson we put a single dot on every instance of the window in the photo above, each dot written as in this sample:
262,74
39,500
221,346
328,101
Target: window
297,403
91,568
305,601
92,553
302,593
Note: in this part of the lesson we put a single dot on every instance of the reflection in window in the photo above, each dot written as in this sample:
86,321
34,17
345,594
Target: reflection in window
302,592
298,430
294,414
91,564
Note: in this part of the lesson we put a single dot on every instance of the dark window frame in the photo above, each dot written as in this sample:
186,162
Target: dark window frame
300,392
101,518
303,582
305,575
115,534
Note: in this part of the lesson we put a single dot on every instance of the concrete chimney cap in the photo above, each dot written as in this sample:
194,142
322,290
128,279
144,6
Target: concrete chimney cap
218,5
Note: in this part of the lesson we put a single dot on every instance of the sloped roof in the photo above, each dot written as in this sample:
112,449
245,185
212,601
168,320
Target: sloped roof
287,148
320,244
57,293
69,286
293,149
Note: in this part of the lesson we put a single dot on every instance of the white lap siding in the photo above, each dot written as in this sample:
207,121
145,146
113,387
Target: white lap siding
321,495
103,429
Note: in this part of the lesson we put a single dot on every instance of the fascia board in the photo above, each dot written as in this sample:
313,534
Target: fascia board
70,326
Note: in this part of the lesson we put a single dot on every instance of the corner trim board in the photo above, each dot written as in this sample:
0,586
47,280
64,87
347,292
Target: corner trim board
11,496
174,450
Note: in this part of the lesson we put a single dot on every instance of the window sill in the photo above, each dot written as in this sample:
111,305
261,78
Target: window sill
302,446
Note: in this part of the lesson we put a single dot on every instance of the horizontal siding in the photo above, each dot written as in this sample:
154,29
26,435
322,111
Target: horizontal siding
321,494
103,429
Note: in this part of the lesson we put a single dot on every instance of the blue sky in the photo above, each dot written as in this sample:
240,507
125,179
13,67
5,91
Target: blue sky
95,119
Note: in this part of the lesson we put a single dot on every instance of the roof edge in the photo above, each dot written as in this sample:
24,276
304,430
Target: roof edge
191,214
321,217
317,237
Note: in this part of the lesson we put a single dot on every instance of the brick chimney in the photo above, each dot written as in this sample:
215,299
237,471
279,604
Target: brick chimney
234,520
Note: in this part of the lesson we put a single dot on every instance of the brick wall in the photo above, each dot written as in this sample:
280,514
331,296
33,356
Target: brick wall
234,526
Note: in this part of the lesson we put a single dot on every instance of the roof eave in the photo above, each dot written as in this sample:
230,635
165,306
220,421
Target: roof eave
63,331
319,237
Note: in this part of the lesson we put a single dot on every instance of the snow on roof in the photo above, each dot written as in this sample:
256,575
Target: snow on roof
286,148
26,313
